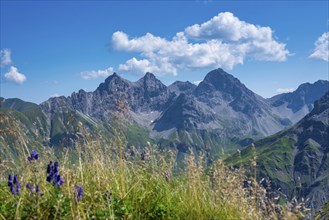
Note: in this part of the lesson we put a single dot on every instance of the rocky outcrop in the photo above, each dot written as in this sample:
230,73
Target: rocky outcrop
295,105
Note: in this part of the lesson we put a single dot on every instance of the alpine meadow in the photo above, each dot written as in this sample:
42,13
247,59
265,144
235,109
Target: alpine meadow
164,110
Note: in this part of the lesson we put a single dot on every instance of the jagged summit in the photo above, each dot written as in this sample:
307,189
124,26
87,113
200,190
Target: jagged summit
220,88
149,75
179,87
151,83
112,77
114,83
220,96
298,103
219,80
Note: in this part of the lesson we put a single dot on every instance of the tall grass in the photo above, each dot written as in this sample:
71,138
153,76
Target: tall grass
121,183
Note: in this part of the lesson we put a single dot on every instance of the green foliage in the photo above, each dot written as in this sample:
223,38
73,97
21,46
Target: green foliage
136,135
118,188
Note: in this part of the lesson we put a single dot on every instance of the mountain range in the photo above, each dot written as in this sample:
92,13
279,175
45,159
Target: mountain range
221,112
289,130
296,160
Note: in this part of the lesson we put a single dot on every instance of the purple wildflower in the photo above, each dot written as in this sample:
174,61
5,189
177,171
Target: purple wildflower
245,184
15,179
18,188
50,167
78,192
12,190
14,185
34,156
10,180
29,187
53,174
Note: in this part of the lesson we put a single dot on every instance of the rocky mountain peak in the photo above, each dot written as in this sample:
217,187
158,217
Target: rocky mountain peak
220,88
149,76
302,98
151,85
224,82
320,106
179,87
114,83
219,80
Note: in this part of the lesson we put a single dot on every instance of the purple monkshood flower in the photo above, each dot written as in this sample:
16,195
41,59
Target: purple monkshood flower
18,188
14,184
33,189
78,192
34,156
10,180
53,174
15,179
29,186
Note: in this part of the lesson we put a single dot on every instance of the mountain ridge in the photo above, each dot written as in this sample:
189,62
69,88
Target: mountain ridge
220,105
296,160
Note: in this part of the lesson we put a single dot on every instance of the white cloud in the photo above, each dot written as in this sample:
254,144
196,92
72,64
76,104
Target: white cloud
5,57
285,90
93,74
223,41
147,43
227,27
197,82
14,76
321,50
177,54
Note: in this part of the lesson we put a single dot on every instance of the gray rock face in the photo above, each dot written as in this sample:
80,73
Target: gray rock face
185,112
219,104
220,86
145,95
295,105
311,162
179,87
296,160
229,98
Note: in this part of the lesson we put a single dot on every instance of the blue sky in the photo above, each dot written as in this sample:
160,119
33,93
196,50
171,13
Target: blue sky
54,48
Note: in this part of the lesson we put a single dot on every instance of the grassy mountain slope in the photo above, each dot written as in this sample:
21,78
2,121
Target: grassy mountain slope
296,160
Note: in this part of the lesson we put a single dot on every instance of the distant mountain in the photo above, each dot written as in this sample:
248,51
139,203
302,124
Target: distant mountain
295,105
179,87
220,111
296,160
22,124
234,103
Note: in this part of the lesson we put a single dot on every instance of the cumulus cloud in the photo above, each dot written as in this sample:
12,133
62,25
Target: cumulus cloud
14,76
321,50
223,41
227,27
285,90
5,57
169,56
93,74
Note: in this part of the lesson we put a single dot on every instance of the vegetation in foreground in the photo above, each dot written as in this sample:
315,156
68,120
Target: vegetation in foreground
113,183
